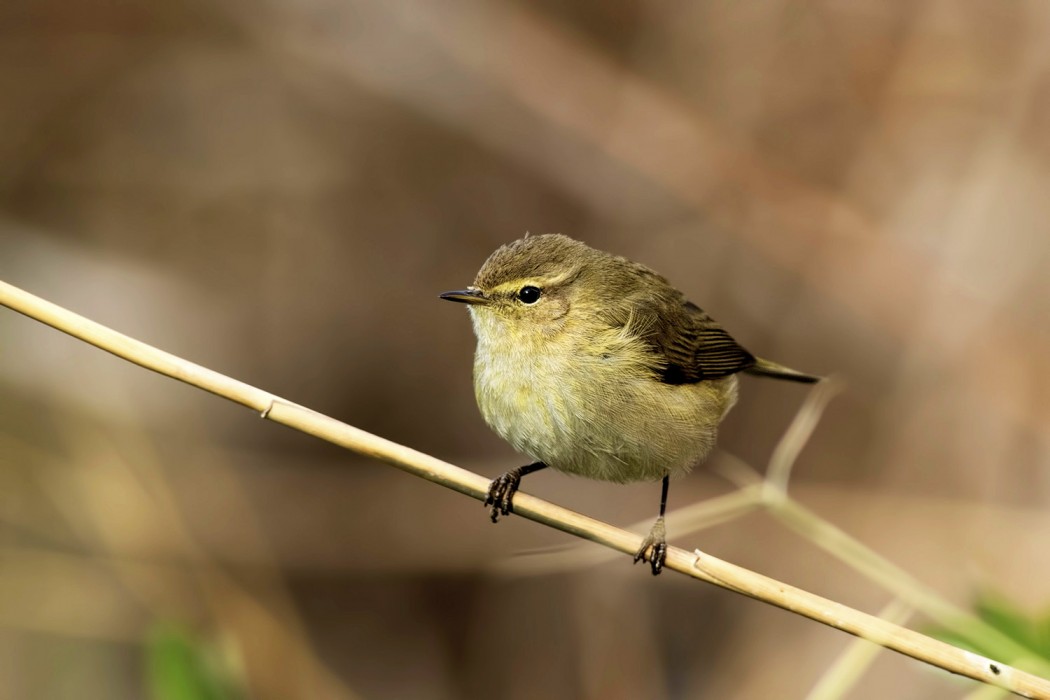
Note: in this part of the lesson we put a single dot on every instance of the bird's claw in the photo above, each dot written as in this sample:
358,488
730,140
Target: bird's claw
654,547
501,494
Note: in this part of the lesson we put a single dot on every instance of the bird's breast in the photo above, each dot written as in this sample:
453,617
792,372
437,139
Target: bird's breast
593,408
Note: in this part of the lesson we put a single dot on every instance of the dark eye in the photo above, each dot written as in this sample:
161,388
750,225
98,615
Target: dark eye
529,294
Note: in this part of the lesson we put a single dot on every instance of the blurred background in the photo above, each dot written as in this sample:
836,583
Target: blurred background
279,190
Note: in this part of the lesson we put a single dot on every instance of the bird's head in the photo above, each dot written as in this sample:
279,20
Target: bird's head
533,287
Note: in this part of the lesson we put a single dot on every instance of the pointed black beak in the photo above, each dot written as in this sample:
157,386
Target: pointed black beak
466,296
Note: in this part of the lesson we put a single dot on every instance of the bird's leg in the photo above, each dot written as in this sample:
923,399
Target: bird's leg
503,488
654,546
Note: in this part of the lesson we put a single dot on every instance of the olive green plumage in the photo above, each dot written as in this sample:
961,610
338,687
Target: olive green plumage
595,365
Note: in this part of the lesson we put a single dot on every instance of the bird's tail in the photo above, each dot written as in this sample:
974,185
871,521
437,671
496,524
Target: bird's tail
766,368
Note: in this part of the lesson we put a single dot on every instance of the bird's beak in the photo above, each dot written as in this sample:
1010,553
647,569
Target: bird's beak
467,296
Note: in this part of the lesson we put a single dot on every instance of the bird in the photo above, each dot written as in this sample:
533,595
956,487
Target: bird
594,365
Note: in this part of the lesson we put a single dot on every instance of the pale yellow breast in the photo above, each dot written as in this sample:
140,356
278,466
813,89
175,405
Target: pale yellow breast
585,404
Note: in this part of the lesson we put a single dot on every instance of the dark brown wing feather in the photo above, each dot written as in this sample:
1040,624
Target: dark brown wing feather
688,345
696,348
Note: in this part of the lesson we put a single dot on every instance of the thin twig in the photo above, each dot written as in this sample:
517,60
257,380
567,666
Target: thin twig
854,553
798,433
700,566
885,573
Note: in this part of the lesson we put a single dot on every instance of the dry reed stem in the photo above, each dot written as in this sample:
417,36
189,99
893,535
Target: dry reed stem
698,565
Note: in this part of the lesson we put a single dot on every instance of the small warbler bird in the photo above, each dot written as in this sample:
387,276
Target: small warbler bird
595,365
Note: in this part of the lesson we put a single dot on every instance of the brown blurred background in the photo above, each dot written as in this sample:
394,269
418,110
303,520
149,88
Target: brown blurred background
278,190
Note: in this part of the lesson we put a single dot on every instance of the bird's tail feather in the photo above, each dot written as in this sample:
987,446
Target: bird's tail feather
766,368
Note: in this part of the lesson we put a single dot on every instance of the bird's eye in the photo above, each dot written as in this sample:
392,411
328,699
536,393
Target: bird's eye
529,294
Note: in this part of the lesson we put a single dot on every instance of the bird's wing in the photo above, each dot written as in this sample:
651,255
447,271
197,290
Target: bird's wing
689,346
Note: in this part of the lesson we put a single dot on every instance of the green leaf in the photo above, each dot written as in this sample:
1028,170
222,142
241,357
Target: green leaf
1042,635
997,611
180,666
1006,617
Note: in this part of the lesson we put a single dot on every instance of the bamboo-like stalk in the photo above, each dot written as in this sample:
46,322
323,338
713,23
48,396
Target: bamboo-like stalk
697,565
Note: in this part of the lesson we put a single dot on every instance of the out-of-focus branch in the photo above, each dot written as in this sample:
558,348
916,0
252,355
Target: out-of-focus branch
700,566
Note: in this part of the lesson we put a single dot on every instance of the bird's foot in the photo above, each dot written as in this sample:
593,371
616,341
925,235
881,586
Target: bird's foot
654,547
501,493
503,488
